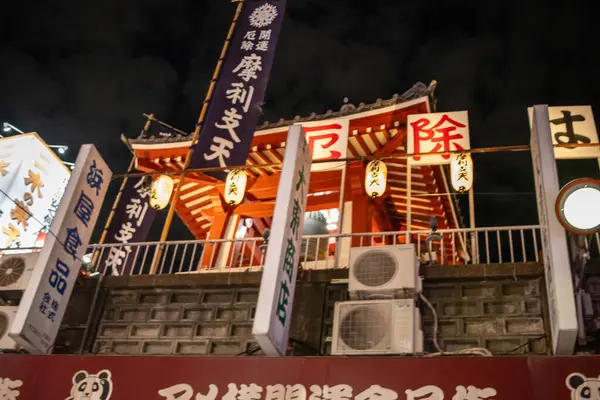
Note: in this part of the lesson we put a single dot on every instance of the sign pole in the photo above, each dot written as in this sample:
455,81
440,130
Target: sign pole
559,280
341,217
408,200
474,248
273,314
118,198
188,158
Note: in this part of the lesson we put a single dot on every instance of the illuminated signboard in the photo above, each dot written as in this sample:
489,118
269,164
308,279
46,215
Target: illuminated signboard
32,182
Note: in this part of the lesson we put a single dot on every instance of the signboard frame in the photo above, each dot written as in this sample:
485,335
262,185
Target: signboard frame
276,296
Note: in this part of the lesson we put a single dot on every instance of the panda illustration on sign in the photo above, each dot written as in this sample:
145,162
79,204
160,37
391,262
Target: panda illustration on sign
91,387
583,388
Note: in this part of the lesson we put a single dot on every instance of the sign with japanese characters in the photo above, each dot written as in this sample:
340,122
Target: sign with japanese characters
131,223
572,125
557,267
438,134
44,301
235,107
34,179
276,296
327,140
24,377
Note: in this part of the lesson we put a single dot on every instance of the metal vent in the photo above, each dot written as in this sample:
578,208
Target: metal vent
364,327
11,269
375,268
4,322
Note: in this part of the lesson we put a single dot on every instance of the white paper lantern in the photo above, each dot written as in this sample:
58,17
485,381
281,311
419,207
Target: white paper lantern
375,178
160,192
235,186
461,172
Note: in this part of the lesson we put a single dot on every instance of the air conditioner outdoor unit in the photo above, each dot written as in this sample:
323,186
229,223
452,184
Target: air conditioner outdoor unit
15,270
372,327
382,271
7,315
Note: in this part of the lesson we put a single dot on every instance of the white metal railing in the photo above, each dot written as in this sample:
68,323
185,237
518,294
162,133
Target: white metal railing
449,247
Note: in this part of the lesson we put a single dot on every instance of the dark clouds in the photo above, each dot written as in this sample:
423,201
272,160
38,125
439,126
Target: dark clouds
84,72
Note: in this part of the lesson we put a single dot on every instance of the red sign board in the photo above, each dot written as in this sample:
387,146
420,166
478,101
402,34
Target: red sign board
297,378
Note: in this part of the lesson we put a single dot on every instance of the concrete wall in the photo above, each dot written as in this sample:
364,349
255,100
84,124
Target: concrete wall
498,307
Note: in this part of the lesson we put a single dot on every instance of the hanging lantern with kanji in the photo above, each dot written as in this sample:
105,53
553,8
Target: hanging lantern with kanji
235,186
461,172
160,192
375,178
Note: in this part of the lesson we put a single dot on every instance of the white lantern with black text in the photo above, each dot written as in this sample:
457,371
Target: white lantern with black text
235,186
375,178
461,172
160,192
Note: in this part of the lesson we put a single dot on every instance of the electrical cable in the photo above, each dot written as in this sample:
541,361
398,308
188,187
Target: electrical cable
44,226
250,351
475,194
476,351
525,344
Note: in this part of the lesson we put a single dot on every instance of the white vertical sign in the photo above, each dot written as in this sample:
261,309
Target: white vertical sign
559,282
572,125
45,300
274,309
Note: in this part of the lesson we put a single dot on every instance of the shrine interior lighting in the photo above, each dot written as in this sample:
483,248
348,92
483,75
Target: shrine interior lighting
578,206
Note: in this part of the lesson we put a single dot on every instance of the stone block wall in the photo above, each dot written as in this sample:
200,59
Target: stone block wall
177,321
505,315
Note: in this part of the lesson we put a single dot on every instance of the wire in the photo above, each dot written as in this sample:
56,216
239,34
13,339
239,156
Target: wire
306,346
495,149
525,344
475,193
476,351
101,350
250,351
435,322
44,226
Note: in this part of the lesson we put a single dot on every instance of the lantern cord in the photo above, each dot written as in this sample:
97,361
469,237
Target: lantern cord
475,193
44,226
496,149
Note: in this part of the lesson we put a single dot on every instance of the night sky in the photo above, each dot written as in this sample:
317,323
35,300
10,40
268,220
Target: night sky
83,72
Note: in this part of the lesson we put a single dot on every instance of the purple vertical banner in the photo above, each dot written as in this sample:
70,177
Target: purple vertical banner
131,223
235,107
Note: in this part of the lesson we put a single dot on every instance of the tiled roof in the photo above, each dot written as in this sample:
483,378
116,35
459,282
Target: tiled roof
418,90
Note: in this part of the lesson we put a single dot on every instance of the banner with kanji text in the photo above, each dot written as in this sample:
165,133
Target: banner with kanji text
235,107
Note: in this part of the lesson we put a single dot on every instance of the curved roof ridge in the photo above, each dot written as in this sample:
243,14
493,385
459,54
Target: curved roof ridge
418,90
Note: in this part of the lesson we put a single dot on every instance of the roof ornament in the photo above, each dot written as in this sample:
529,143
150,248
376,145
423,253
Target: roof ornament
347,107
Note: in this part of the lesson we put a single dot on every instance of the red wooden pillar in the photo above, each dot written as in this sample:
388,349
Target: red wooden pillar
361,216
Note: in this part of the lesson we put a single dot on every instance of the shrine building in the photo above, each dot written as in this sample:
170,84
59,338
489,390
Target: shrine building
373,130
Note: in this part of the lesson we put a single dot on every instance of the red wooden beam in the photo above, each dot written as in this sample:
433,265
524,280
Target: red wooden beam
392,144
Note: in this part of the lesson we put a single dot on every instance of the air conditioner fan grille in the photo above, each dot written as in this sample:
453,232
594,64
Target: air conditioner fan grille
375,268
11,269
363,327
